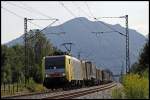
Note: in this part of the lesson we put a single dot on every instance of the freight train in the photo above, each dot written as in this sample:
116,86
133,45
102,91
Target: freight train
65,71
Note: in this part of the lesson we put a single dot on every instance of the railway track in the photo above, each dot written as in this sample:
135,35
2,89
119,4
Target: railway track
73,94
64,94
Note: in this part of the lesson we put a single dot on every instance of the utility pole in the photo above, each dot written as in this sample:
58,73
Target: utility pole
127,39
127,46
25,45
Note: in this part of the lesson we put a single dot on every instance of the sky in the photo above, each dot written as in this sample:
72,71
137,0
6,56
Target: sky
13,26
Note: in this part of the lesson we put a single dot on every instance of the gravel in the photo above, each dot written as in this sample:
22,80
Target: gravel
105,94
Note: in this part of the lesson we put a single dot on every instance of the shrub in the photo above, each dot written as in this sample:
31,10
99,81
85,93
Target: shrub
34,87
135,86
31,85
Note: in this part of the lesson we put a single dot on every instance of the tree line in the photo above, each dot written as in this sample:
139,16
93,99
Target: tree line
13,59
143,61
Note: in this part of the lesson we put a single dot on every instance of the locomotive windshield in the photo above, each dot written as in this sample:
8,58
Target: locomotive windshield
54,62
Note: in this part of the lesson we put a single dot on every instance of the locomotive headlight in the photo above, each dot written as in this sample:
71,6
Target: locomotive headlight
63,74
46,75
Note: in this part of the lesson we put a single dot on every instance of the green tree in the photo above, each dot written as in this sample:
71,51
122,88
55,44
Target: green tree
13,58
143,62
39,47
3,61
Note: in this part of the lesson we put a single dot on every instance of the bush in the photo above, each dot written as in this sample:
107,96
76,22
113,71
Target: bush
31,85
136,87
34,87
39,88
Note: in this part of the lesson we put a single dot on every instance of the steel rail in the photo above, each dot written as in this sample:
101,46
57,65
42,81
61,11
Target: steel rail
82,92
64,94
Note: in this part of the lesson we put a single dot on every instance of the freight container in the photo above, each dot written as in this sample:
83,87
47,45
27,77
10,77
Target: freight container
84,74
77,73
88,67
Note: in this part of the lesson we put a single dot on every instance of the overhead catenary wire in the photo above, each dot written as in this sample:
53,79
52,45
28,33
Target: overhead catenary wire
18,15
62,4
107,24
50,18
32,12
89,9
37,11
12,12
85,25
23,18
89,16
19,6
42,29
81,9
103,22
127,38
109,27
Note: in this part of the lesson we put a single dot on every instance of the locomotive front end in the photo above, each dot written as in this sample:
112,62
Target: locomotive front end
55,76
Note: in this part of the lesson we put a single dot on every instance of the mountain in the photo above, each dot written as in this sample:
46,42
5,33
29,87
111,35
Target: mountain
107,50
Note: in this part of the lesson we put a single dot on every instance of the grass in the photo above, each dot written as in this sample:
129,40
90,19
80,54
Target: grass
12,89
34,87
117,93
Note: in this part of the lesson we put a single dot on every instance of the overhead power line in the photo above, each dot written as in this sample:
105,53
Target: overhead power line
19,6
89,16
87,28
109,27
29,10
89,9
81,22
28,20
67,9
12,12
104,23
82,10
37,11
18,16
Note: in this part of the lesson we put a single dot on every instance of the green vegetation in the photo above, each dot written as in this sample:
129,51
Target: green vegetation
13,61
136,87
35,87
143,62
136,84
19,88
117,93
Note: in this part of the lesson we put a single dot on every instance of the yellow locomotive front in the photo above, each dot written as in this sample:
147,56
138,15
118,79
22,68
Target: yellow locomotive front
55,75
61,71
